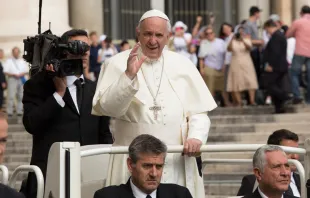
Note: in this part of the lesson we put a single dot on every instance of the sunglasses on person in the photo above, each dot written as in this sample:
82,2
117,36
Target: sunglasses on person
209,33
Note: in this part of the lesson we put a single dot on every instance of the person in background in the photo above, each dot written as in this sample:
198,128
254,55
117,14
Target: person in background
2,57
241,75
107,51
226,33
211,61
16,70
250,27
276,66
193,54
3,85
181,40
94,66
300,31
124,46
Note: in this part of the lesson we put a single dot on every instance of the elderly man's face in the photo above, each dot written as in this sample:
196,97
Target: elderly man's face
276,175
147,171
153,35
3,137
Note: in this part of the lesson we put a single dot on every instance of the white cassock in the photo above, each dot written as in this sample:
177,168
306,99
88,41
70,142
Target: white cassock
184,99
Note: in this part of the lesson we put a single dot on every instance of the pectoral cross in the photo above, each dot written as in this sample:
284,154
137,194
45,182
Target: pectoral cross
155,110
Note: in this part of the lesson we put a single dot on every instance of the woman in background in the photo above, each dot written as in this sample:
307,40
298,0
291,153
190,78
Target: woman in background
241,75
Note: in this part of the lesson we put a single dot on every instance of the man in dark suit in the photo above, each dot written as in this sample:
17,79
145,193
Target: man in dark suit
272,171
2,85
280,137
5,191
276,66
58,109
145,163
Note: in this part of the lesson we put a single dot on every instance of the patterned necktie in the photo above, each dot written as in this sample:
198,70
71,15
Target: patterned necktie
79,92
148,196
289,191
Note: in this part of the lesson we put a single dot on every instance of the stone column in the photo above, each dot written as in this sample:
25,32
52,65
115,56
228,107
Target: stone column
87,15
244,7
19,19
284,10
298,5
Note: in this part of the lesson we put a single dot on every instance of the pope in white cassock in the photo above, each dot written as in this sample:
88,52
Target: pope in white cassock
150,90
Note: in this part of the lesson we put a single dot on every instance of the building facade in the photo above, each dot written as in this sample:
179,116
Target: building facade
118,18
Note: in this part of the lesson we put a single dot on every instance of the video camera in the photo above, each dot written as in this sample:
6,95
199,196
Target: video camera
47,48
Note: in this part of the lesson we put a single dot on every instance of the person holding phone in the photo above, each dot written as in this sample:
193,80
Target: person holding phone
241,74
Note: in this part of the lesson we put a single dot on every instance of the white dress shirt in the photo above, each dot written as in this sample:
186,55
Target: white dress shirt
138,193
262,194
15,66
72,89
294,187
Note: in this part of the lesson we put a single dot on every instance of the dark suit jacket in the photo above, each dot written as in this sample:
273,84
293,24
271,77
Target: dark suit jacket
257,195
248,182
275,52
8,192
124,191
48,122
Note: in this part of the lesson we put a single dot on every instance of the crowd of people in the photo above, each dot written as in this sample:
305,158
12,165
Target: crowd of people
163,88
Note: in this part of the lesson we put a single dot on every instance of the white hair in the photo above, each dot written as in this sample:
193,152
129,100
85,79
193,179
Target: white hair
259,158
168,25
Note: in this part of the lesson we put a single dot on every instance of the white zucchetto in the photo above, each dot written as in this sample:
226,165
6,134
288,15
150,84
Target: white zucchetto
154,13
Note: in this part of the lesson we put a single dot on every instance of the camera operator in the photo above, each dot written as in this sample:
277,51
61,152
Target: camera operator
59,109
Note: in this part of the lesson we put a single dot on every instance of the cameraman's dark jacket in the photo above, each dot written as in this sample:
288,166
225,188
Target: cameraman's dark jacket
48,122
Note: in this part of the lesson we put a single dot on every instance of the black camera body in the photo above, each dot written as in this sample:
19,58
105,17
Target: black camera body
238,35
47,48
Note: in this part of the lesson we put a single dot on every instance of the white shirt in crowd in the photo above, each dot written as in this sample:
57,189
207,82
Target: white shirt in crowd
106,53
72,89
213,53
15,66
137,193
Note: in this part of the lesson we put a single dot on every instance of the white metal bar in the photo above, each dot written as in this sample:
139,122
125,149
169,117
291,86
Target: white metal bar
29,168
298,165
5,174
179,149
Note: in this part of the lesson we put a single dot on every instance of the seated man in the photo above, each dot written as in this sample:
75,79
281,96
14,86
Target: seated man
145,163
272,171
280,137
5,191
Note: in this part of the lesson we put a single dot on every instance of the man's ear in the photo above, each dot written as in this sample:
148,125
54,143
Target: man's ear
258,174
129,164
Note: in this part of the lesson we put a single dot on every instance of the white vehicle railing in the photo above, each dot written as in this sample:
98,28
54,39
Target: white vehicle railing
29,168
5,174
60,185
298,165
204,148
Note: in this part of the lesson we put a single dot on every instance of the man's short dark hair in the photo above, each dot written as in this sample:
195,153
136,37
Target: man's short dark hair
305,9
283,134
71,33
124,42
253,10
146,144
270,23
